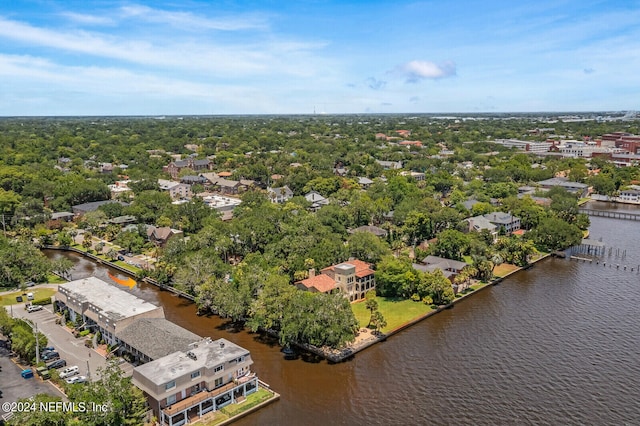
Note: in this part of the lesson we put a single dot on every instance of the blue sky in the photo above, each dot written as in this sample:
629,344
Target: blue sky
267,57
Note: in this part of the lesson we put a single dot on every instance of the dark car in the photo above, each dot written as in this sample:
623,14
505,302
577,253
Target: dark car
50,356
121,258
59,363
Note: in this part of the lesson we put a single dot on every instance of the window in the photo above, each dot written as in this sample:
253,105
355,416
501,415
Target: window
170,385
195,375
218,382
171,399
218,368
241,359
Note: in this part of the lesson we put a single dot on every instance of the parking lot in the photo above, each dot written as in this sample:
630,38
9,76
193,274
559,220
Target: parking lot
13,387
70,348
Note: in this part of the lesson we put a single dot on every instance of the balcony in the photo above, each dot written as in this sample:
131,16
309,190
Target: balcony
196,399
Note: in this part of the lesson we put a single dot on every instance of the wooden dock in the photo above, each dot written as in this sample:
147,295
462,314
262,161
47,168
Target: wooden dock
611,214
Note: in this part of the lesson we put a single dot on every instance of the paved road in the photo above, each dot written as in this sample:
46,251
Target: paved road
14,387
70,348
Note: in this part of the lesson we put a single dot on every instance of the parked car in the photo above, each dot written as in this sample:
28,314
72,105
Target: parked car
30,296
26,374
121,258
76,379
50,356
69,371
59,363
49,349
44,373
34,308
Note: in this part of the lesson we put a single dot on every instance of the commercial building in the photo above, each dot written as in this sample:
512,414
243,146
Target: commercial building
187,384
526,146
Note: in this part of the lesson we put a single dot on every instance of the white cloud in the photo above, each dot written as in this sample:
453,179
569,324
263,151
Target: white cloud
189,21
415,71
261,57
84,19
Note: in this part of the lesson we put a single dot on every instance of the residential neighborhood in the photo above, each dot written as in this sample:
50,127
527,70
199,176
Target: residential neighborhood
277,238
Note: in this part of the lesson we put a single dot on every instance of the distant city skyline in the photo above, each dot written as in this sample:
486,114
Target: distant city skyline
304,57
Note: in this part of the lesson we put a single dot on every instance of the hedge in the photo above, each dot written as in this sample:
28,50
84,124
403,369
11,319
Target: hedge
42,302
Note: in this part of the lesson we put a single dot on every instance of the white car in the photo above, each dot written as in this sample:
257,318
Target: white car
69,371
34,308
76,379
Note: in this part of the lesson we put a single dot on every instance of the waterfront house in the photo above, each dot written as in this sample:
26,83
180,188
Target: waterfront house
352,278
629,196
577,188
187,384
505,222
160,235
481,223
449,267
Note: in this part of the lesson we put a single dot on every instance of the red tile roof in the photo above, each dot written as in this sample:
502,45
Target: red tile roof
323,283
359,264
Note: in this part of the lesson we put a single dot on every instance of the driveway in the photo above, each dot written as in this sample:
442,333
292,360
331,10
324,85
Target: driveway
14,387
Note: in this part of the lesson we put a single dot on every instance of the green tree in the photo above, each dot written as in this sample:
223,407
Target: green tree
366,246
556,234
451,244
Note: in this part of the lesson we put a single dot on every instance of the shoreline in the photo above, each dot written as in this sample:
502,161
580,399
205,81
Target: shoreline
334,356
350,351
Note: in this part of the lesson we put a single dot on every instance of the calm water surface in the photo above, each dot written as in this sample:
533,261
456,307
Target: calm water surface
558,344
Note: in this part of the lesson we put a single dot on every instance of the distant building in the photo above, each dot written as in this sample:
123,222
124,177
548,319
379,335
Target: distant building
390,165
175,167
279,195
316,200
578,188
81,209
378,232
526,146
481,223
629,196
176,190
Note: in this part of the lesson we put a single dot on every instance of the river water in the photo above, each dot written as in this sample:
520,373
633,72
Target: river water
558,344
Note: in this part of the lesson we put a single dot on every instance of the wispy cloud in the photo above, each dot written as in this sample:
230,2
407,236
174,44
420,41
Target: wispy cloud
263,56
415,71
85,19
192,22
375,84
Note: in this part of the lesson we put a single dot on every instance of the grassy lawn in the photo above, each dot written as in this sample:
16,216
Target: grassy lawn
38,293
54,279
504,269
252,400
395,311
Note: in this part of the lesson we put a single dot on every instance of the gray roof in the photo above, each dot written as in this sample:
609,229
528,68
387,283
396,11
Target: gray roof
89,207
61,215
372,229
478,223
470,203
157,337
108,300
282,191
208,354
434,262
501,218
563,182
